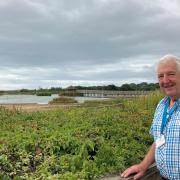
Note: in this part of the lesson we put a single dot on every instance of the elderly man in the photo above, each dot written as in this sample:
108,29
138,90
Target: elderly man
165,150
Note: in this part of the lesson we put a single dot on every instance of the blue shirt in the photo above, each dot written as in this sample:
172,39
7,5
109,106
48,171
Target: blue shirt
167,156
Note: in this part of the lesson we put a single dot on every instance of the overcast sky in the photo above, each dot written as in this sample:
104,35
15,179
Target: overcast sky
57,43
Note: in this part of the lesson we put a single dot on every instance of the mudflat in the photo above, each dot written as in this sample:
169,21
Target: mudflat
33,107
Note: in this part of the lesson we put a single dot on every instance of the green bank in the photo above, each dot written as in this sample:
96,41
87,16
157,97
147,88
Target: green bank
83,142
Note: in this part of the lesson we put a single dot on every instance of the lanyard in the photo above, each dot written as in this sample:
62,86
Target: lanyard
166,114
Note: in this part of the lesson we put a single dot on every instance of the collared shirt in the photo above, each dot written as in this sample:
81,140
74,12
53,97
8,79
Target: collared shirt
167,156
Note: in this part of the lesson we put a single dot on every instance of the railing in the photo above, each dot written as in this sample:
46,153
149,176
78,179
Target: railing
151,174
105,93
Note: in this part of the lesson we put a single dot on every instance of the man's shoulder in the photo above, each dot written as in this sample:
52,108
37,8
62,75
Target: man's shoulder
162,101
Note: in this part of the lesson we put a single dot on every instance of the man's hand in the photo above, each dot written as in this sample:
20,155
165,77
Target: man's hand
140,169
137,169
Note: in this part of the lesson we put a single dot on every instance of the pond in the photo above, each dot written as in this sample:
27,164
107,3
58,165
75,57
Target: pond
20,99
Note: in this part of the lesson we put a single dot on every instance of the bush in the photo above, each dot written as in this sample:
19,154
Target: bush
43,93
63,100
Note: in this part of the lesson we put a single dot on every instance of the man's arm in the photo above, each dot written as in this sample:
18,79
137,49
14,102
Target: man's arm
141,168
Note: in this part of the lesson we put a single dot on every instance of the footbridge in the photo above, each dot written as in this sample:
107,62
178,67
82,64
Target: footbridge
111,94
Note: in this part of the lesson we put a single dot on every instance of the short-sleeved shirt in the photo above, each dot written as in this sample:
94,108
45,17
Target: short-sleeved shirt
167,156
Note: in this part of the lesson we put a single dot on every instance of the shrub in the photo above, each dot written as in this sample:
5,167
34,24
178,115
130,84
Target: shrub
63,100
43,93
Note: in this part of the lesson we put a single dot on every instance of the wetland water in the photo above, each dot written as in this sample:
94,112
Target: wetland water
20,99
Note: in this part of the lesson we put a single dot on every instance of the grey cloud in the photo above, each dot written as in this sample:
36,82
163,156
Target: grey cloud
74,36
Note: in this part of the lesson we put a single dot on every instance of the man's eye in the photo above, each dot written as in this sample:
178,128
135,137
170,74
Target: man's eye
160,76
171,74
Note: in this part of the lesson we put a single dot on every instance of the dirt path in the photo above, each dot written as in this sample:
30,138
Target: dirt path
32,107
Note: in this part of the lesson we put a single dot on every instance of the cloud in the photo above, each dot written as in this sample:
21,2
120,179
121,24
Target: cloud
44,42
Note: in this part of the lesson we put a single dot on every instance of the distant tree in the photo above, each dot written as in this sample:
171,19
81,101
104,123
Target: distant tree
24,90
143,86
126,87
112,87
1,92
133,86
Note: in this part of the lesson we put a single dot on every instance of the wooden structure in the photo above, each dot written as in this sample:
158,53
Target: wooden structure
151,174
110,94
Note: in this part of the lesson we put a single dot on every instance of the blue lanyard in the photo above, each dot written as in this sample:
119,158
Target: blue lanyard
166,114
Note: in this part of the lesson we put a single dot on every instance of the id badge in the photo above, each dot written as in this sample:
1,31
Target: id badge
160,141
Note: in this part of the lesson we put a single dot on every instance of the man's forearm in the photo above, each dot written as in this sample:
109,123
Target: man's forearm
149,158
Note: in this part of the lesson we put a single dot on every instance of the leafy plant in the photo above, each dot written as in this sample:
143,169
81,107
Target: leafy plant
76,142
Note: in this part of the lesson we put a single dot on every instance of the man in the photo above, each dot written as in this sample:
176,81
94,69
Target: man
165,150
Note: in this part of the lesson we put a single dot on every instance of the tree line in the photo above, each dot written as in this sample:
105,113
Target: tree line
125,87
144,86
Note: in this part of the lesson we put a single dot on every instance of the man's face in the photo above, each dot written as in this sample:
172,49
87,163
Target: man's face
169,79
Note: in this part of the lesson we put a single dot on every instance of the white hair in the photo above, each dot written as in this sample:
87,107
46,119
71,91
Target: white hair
170,57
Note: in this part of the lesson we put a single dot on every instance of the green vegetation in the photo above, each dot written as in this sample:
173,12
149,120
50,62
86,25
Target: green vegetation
62,99
70,93
51,90
104,102
75,143
43,93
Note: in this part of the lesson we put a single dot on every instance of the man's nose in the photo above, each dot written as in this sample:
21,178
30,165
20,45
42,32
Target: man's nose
165,79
